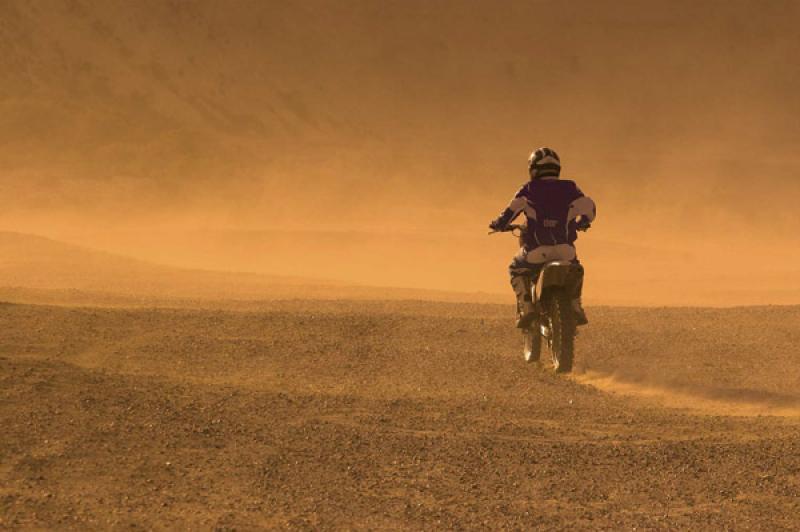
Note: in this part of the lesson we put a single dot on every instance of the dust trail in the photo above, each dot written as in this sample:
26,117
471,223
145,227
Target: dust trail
705,400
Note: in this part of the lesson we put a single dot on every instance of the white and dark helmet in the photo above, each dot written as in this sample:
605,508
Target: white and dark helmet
544,162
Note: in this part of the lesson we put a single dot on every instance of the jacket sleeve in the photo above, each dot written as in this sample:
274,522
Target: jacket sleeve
515,207
582,206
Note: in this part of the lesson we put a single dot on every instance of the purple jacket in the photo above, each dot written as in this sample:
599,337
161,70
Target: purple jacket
551,206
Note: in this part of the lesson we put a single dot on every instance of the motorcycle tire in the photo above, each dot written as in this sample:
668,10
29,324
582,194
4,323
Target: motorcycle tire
563,329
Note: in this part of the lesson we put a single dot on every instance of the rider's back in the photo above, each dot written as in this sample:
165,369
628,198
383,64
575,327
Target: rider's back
549,210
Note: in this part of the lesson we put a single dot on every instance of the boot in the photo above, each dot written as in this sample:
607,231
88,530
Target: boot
577,307
527,313
580,314
521,283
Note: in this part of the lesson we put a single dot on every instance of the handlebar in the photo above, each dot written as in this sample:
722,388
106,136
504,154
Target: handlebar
517,229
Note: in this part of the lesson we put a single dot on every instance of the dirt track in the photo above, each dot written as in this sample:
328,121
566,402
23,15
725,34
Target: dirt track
395,415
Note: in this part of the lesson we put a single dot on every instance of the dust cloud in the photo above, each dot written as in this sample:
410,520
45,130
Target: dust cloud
704,400
371,142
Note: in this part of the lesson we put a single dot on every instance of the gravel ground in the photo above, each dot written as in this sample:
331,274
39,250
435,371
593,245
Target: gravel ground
410,415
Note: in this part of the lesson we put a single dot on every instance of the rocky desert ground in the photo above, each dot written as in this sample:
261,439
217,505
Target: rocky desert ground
311,414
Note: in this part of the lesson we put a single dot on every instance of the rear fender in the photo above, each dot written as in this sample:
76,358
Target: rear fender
556,275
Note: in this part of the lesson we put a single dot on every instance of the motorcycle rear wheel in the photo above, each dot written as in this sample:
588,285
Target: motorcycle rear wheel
562,328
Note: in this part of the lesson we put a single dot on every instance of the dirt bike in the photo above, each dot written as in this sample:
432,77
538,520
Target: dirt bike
554,323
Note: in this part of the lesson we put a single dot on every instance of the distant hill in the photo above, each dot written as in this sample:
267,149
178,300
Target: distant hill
651,272
38,269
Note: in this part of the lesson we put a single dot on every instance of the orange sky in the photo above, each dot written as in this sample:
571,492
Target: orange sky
413,119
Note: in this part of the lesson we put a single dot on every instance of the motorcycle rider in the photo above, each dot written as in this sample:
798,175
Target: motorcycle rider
555,210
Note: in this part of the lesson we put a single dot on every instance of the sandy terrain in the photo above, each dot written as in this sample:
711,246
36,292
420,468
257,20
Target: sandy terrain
395,415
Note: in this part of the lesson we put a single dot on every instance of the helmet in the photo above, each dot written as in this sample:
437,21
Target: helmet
544,162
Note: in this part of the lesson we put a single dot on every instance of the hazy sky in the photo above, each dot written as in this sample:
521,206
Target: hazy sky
279,106
679,117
